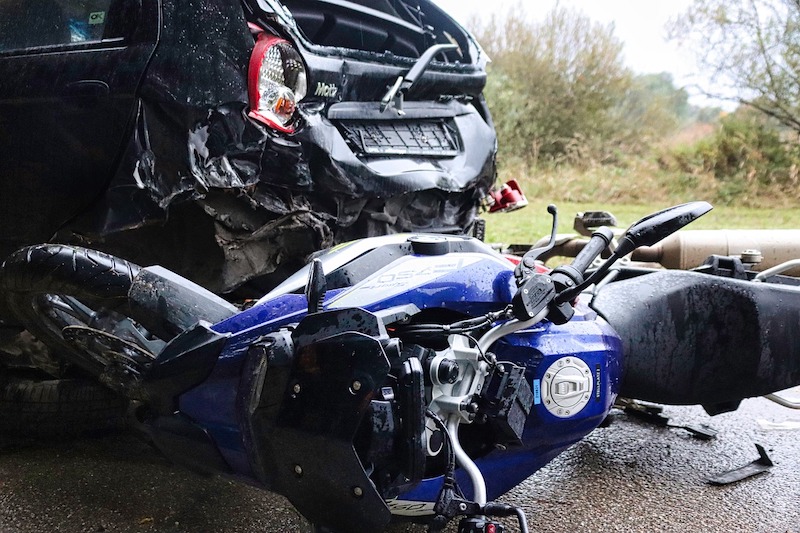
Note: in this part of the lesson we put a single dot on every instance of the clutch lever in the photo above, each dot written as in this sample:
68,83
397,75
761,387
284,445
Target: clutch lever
528,262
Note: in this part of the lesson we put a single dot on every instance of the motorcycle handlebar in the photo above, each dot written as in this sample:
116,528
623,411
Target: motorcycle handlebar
599,241
537,293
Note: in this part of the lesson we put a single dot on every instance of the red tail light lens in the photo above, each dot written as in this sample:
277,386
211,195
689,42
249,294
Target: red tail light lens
276,82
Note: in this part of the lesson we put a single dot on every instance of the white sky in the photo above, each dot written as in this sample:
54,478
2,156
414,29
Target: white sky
639,24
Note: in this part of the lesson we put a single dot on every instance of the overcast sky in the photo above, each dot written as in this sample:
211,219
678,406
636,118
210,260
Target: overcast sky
640,24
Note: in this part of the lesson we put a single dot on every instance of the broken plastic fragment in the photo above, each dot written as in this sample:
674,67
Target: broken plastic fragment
653,415
759,466
698,431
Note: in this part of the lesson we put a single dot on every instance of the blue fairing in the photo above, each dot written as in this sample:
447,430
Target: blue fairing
473,283
214,403
468,283
587,337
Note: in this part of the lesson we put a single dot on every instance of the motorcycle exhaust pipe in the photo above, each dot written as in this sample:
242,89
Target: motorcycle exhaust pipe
688,249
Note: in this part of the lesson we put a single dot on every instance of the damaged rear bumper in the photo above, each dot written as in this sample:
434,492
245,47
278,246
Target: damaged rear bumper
273,200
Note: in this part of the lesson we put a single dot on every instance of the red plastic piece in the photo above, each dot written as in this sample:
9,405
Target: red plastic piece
508,198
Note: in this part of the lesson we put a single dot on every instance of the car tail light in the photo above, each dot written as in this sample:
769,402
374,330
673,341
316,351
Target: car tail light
276,82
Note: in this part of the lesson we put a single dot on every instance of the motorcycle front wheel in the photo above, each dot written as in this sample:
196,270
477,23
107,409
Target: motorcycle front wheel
75,301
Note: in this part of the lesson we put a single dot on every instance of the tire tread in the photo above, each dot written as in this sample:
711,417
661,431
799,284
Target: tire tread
50,408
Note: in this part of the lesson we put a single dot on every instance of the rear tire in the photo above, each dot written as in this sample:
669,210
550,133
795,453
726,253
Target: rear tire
34,405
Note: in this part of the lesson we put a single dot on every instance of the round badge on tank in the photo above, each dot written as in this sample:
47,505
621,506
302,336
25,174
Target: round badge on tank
429,244
567,386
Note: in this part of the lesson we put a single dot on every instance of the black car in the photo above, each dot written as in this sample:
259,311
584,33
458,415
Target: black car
228,140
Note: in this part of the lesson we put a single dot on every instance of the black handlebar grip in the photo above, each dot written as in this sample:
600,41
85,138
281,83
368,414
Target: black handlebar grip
599,241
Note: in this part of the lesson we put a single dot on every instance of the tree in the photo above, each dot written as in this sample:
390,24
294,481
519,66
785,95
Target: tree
652,109
552,83
752,48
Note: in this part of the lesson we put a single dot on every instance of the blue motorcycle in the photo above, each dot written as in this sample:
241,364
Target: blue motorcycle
411,376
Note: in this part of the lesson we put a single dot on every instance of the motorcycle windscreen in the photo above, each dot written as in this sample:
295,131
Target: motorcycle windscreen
691,338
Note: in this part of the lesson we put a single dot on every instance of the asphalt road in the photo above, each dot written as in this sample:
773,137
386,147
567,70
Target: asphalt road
629,477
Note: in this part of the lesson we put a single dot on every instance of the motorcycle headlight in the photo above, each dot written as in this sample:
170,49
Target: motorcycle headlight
276,82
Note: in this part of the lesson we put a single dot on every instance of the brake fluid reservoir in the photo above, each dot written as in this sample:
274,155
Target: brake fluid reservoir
566,387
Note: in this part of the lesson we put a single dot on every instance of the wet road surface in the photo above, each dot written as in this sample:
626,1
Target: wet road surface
629,477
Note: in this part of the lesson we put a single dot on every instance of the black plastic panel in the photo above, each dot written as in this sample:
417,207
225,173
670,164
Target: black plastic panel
306,400
344,24
692,338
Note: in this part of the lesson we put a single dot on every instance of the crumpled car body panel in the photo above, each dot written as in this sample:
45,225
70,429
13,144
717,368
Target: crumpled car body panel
205,190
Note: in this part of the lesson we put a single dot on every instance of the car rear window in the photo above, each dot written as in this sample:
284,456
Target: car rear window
401,27
36,23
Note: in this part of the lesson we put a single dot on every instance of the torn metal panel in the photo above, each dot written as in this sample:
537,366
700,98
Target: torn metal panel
273,198
295,235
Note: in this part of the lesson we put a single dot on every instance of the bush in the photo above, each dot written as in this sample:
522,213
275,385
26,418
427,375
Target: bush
748,157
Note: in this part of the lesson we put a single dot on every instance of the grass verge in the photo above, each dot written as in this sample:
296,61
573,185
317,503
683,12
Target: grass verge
531,223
